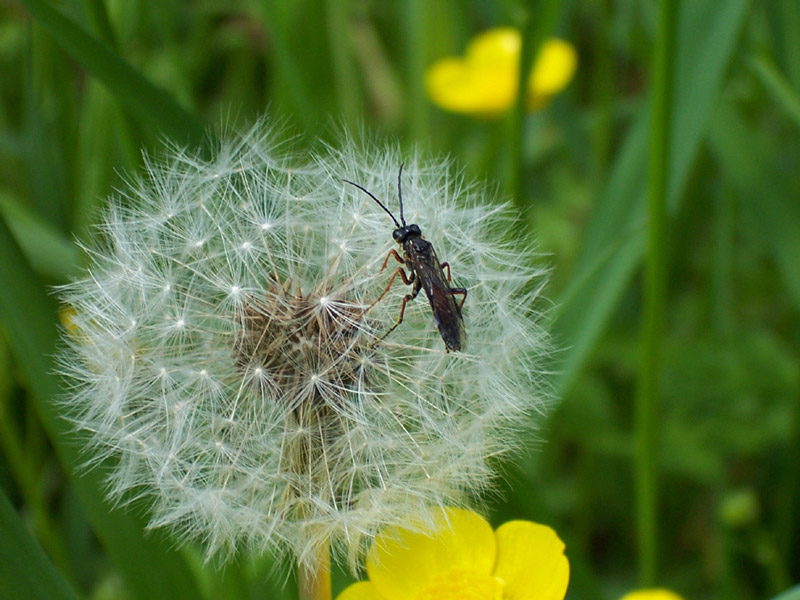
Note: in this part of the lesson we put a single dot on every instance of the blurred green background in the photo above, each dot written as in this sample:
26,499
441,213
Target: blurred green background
673,455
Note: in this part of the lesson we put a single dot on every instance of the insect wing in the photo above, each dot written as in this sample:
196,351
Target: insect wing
446,312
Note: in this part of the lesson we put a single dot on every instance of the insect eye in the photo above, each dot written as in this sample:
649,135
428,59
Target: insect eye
414,229
399,234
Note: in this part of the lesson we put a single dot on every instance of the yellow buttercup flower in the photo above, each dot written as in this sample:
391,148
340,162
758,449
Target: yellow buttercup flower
654,594
463,559
484,81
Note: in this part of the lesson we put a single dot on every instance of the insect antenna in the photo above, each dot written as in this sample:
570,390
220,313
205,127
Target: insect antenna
368,193
400,193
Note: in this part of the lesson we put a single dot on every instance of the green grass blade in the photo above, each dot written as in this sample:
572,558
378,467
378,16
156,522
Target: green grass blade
100,24
706,43
784,19
25,570
147,102
44,158
46,248
791,594
768,203
106,137
27,316
777,86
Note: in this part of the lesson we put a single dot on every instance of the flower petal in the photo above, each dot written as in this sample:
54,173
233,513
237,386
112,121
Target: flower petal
555,66
363,590
497,47
456,86
484,82
531,562
401,563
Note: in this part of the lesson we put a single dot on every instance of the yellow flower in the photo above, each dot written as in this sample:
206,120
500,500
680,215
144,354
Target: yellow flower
465,560
484,81
654,594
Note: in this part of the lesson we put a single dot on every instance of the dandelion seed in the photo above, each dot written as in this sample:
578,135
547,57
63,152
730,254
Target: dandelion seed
246,389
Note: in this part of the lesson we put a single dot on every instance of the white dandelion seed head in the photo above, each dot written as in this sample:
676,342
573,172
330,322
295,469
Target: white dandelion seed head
226,346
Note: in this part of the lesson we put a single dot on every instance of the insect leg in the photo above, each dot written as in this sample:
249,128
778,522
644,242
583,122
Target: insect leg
460,292
406,279
446,265
455,291
406,298
397,257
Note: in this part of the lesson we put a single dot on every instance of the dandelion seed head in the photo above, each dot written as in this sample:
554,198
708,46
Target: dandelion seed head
226,346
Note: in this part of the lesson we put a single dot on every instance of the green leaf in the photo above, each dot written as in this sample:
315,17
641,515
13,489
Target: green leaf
28,317
767,202
784,19
47,250
790,594
105,137
613,243
289,71
43,147
149,103
777,86
25,570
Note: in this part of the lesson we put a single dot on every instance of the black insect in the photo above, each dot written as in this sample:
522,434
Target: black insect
426,272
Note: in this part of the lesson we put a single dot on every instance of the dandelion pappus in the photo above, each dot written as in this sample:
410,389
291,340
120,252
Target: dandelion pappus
427,273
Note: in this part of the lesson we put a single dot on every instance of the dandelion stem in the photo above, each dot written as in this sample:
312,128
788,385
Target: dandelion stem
646,417
315,584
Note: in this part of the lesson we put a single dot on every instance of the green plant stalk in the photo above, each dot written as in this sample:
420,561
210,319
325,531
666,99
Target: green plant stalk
786,519
647,389
289,83
536,23
415,26
341,46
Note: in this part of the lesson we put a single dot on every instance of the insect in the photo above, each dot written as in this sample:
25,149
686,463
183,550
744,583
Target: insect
427,273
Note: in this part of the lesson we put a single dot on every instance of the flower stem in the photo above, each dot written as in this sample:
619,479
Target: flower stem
536,20
315,584
646,417
415,16
345,76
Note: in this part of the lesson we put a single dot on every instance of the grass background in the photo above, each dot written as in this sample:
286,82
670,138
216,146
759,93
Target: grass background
663,185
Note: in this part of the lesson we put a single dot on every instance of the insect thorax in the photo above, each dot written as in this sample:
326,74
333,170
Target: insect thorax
416,245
